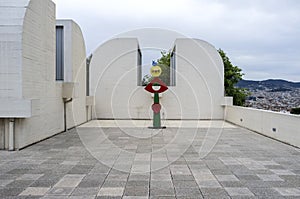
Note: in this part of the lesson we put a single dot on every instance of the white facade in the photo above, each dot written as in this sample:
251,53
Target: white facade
31,104
198,93
75,71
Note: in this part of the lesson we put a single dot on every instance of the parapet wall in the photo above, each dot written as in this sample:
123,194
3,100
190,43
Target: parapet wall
282,127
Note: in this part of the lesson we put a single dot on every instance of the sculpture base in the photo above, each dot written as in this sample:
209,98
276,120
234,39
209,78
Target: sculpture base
161,127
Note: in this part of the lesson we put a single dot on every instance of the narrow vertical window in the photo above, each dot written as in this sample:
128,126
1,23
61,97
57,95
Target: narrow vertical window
59,53
173,68
139,65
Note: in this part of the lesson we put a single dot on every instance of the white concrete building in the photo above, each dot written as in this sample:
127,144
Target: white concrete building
198,82
74,65
31,100
43,81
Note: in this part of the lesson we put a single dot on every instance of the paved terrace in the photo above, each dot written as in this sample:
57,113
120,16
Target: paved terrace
135,162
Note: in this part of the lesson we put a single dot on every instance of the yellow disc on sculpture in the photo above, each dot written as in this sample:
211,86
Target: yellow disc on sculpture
155,71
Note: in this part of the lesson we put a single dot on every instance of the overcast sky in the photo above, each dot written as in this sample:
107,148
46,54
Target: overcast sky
260,36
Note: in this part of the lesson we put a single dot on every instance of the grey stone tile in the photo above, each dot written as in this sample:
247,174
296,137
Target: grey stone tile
241,191
267,177
189,197
161,177
248,177
209,184
158,191
44,183
82,197
69,181
85,183
288,191
117,177
81,169
35,191
138,183
111,191
114,183
136,191
3,183
187,192
185,184
265,192
227,178
282,172
109,197
79,191
137,177
9,192
161,184
232,184
214,193
30,177
61,191
19,183
183,177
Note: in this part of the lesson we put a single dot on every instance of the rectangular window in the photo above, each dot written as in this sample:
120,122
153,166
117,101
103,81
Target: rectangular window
173,68
59,53
139,65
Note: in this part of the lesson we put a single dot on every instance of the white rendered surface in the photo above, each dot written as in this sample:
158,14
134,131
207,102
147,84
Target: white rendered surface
167,123
198,94
280,126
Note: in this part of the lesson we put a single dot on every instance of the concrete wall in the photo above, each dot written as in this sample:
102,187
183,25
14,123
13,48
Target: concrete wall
283,127
113,80
38,75
75,71
29,92
199,82
11,20
198,94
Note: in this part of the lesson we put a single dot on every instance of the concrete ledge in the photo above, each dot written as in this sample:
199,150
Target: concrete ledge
227,101
219,124
70,90
16,108
279,126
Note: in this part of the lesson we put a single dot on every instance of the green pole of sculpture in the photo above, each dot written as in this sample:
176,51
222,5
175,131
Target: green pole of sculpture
156,116
156,86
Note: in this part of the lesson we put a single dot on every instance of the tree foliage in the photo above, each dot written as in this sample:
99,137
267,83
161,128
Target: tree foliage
295,111
164,63
232,75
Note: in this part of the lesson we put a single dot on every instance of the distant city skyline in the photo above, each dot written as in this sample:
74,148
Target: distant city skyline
261,37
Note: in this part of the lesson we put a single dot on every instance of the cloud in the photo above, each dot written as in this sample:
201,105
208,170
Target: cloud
262,37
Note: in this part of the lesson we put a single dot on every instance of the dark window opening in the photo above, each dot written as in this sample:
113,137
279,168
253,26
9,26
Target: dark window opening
173,68
139,65
59,53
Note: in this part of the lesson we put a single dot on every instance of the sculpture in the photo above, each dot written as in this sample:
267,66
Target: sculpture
156,86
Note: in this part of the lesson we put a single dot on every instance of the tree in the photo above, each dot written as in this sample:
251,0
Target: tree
146,80
295,111
164,63
232,75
